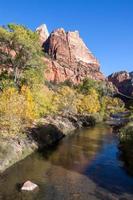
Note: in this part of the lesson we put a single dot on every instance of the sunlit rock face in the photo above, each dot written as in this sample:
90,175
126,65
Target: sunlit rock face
123,81
69,58
43,33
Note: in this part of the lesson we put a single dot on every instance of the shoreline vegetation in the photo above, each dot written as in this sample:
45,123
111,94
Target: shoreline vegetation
35,113
126,145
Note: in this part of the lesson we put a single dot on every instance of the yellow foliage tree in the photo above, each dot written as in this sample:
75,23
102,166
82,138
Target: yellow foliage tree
16,110
29,112
65,99
112,105
88,103
43,98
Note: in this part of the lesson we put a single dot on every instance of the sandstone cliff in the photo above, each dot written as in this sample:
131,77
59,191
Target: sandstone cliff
68,58
123,81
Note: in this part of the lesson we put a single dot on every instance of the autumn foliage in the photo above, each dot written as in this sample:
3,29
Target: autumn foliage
16,110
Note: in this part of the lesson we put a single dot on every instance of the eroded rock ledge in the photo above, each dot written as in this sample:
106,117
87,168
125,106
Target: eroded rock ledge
50,130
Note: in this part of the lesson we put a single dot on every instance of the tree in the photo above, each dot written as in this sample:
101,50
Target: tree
87,85
88,103
19,49
111,105
43,98
17,110
65,99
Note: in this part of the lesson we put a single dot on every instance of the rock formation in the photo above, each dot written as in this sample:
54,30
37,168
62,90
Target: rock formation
123,81
43,33
29,186
68,58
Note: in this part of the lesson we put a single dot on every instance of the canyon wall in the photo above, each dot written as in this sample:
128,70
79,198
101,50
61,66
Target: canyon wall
123,81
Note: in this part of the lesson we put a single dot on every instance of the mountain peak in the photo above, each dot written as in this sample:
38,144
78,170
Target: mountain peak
43,32
70,57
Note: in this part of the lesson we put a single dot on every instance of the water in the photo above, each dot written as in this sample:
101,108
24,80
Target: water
83,166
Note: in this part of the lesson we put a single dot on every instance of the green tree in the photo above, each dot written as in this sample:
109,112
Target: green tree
19,49
87,85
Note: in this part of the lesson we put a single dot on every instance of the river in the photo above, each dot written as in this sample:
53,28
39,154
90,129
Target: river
85,165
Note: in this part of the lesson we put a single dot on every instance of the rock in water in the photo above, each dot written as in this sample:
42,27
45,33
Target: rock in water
29,186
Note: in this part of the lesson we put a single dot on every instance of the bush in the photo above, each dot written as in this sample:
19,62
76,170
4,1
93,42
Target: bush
71,100
5,81
16,110
88,103
126,134
110,105
33,76
65,99
29,110
126,146
87,85
44,100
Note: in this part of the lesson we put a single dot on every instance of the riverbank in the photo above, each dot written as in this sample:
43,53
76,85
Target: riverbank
44,132
126,146
122,124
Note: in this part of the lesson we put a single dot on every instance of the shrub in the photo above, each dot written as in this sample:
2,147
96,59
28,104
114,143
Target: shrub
6,81
126,146
33,76
29,111
43,98
126,134
65,99
88,103
111,105
16,110
87,85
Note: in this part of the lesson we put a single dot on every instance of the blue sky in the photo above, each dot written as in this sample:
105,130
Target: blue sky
105,25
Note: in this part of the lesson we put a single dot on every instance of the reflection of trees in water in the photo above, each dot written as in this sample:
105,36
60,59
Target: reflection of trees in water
127,155
77,151
126,147
56,171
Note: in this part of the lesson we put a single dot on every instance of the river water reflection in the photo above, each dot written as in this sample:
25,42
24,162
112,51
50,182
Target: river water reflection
83,166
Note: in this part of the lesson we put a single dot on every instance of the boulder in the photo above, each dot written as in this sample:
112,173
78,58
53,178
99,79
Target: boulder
14,149
29,186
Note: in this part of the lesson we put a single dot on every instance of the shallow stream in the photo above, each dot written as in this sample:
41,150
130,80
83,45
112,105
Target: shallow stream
83,166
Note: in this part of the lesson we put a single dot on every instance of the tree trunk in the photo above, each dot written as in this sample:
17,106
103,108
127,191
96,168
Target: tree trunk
15,74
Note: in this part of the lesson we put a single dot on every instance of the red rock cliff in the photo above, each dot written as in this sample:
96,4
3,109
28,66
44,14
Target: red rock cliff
123,81
68,57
